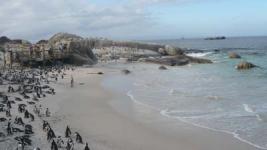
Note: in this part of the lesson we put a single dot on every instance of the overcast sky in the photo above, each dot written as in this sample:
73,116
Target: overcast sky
132,19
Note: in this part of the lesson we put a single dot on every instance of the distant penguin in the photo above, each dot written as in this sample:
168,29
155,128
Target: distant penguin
78,138
67,132
86,147
54,145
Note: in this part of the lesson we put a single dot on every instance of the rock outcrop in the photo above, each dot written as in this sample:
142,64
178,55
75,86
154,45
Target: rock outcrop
234,55
42,42
81,53
170,51
216,38
81,49
4,40
59,37
77,50
244,65
178,60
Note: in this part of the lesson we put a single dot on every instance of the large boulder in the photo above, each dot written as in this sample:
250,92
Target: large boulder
172,51
80,49
244,65
234,55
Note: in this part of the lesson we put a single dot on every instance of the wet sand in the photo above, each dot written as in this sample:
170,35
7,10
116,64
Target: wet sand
110,121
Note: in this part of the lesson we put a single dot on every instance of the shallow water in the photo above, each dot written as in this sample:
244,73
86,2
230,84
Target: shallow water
214,96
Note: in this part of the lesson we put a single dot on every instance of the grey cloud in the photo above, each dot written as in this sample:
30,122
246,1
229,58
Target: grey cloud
34,19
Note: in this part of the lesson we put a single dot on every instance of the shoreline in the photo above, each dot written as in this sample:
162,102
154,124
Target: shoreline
164,114
111,129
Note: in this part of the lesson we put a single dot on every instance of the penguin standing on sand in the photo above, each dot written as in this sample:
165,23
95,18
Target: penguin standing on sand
72,82
86,147
26,114
78,138
9,127
47,112
67,132
54,145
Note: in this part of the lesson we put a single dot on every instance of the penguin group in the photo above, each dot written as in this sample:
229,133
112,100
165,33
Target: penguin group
21,91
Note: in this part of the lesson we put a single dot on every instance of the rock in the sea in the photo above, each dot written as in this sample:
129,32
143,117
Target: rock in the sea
125,71
234,55
198,60
245,65
178,60
162,68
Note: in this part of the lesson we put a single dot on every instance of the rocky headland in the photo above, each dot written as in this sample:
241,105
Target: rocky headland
77,50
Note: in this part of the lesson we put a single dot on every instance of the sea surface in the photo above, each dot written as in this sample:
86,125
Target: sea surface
214,96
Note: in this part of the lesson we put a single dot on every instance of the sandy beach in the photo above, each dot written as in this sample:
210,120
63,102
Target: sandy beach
109,120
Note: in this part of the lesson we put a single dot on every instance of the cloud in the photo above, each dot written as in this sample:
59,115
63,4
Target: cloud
34,19
157,2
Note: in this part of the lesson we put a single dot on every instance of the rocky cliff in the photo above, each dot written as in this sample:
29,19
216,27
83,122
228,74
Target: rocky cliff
89,50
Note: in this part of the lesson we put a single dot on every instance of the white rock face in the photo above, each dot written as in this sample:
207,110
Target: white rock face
171,50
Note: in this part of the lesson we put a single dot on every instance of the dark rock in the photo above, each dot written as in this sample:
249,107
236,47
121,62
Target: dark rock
245,65
198,60
4,40
42,42
162,68
234,55
178,60
216,38
125,71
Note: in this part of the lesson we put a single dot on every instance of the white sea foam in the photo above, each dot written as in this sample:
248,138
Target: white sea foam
183,119
235,135
248,108
129,94
199,54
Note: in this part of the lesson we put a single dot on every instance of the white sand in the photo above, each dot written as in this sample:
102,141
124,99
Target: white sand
90,110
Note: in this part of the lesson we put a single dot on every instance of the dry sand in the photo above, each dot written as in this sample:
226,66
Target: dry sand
110,121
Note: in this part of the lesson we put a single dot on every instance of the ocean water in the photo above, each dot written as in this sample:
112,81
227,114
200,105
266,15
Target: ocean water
214,96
